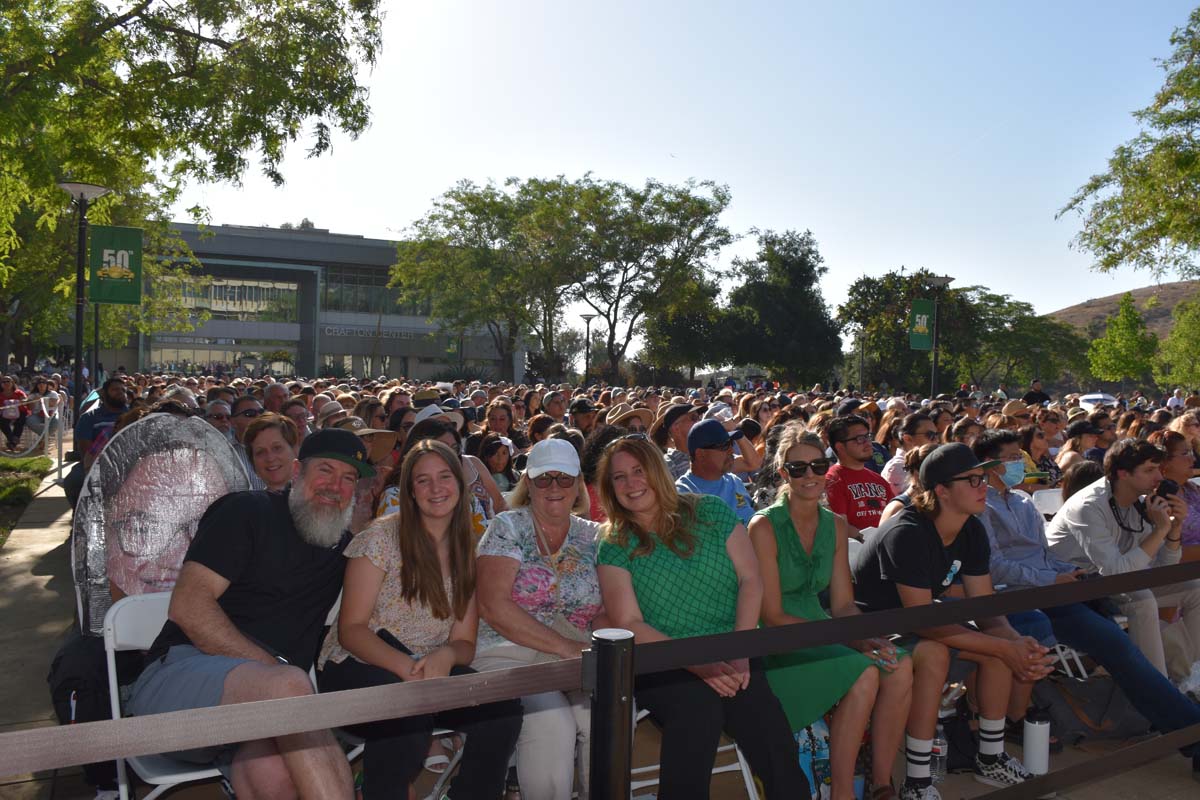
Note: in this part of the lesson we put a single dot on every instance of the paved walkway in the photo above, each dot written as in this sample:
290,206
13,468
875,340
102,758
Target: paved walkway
37,602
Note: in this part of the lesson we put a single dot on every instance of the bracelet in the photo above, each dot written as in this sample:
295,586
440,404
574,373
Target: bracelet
1169,539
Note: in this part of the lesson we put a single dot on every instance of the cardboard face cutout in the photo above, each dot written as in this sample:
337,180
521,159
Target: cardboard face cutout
140,505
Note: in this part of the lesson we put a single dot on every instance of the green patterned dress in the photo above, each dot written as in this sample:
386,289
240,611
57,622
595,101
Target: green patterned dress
808,682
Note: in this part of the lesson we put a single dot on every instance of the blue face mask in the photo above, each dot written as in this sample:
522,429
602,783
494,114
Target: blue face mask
1014,473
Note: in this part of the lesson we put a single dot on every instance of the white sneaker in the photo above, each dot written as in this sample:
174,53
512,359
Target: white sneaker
107,794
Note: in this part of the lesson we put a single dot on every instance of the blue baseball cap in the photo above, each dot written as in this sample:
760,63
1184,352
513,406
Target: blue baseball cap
709,433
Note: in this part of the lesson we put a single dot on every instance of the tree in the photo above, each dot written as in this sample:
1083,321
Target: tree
689,332
140,100
777,316
1126,348
1008,342
464,263
191,86
1142,212
641,247
877,311
1177,362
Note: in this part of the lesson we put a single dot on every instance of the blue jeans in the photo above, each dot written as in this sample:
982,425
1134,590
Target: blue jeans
1155,697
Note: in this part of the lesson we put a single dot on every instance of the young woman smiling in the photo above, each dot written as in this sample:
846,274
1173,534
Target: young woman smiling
408,613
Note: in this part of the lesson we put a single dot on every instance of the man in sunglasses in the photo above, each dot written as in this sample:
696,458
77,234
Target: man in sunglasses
915,558
246,409
711,449
218,414
854,491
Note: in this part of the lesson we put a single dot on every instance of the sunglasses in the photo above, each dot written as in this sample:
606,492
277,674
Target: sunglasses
728,445
219,417
797,469
250,413
975,480
543,481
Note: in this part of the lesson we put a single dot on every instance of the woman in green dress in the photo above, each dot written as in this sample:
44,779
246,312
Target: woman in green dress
801,550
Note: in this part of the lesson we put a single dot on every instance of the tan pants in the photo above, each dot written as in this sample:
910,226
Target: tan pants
1141,607
554,736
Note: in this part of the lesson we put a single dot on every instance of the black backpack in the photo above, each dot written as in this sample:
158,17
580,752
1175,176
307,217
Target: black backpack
78,682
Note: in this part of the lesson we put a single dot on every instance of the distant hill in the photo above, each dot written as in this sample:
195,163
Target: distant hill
1091,316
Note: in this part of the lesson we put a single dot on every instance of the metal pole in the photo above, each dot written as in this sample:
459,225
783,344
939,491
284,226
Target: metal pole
933,375
96,345
587,347
80,287
611,684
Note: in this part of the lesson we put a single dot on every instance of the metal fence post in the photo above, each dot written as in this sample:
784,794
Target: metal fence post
609,675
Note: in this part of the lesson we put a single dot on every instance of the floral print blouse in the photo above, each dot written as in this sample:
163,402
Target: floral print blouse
538,589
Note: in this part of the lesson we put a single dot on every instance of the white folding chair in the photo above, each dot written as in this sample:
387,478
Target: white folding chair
132,623
1047,502
739,765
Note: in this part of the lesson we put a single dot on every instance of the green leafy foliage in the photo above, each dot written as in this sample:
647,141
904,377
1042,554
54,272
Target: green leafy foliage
1142,211
777,316
642,246
1177,362
984,337
141,97
1126,348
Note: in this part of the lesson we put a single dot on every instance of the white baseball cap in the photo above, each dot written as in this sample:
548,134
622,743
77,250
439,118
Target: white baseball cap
552,455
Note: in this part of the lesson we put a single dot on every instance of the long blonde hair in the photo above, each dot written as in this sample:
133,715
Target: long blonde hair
676,512
421,579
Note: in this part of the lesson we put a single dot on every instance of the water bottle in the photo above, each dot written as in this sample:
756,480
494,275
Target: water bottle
937,757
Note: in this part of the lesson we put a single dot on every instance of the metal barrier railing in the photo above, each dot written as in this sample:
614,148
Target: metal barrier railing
607,672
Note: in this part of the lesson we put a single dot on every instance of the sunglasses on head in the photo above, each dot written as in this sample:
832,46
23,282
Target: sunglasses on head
797,469
544,480
636,436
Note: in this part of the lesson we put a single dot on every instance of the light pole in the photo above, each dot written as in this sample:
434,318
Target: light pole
82,194
587,344
939,282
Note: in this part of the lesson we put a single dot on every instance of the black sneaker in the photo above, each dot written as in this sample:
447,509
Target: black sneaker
1003,771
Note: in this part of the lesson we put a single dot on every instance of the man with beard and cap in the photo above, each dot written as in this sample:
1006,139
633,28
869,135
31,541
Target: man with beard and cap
247,614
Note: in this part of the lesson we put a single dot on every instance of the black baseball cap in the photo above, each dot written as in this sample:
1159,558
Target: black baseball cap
581,405
340,445
949,460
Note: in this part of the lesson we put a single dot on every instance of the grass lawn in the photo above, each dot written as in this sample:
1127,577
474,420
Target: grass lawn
19,479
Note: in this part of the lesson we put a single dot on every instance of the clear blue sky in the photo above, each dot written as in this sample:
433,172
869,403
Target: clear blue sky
943,135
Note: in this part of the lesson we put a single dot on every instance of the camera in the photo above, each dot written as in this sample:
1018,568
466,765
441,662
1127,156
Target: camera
1166,488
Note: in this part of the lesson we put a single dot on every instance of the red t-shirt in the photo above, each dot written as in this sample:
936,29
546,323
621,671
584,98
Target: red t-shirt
857,494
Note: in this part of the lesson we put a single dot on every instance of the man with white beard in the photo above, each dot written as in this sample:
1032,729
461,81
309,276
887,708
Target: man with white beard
247,614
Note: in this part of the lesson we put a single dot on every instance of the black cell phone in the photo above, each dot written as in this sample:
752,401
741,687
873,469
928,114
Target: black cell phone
1166,488
1087,576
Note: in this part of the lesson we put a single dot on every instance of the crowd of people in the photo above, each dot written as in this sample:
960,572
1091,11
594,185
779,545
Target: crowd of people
471,527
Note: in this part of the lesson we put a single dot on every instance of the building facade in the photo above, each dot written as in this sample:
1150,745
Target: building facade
305,302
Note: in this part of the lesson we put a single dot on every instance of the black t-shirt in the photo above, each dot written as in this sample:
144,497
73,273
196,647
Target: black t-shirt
280,587
1034,397
908,550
